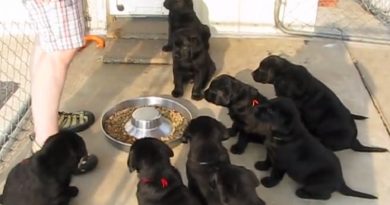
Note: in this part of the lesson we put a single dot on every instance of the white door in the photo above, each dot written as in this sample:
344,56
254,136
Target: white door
228,17
137,8
237,16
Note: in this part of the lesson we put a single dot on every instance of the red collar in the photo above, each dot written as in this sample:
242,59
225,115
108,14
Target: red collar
163,181
255,102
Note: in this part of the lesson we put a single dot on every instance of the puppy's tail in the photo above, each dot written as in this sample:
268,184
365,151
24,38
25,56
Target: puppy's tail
358,117
344,189
357,146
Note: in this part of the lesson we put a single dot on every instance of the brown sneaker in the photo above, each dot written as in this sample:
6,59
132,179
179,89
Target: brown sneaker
75,121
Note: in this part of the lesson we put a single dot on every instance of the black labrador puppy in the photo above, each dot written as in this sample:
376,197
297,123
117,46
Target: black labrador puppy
159,182
242,100
182,15
191,61
322,111
237,186
44,178
293,150
205,156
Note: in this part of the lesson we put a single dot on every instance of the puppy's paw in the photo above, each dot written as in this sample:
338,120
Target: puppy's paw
167,48
237,149
197,96
269,182
73,191
302,194
262,165
177,93
232,132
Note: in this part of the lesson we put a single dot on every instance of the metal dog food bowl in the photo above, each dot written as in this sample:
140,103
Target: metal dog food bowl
146,120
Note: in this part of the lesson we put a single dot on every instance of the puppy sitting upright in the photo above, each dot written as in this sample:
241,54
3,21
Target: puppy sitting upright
44,178
205,156
191,61
237,186
241,99
293,150
160,182
181,15
322,111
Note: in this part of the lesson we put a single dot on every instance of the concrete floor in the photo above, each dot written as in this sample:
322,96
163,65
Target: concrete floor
97,87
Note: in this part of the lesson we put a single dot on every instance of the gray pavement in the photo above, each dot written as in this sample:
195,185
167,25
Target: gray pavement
97,87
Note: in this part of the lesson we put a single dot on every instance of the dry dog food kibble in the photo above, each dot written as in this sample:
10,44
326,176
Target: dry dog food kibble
115,124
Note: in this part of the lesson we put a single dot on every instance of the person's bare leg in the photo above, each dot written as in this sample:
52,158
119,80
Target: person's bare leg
48,74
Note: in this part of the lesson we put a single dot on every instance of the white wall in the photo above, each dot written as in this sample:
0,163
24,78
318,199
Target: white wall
235,17
96,13
241,17
225,17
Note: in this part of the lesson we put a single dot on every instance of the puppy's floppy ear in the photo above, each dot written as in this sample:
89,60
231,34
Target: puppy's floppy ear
222,131
131,164
295,82
168,150
264,113
278,62
250,177
186,136
237,89
286,127
294,90
189,3
205,32
226,96
282,122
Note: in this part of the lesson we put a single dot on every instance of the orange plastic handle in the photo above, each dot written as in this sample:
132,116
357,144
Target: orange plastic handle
100,42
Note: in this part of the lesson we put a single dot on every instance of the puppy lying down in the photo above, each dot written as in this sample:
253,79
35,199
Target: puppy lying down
159,182
323,113
44,178
292,150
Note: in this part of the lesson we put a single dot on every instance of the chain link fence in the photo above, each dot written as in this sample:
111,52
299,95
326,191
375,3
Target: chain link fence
379,8
16,43
355,20
17,37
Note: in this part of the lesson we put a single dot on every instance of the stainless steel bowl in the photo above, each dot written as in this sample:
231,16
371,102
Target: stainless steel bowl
146,121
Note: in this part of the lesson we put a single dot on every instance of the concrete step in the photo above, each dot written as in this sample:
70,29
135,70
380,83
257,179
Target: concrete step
144,28
136,51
